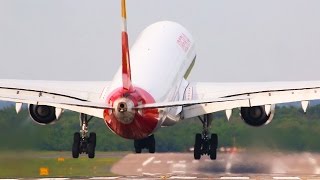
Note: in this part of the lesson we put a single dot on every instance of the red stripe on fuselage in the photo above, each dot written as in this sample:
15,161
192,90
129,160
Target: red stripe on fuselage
144,122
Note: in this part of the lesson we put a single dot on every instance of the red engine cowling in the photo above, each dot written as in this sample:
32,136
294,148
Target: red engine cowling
256,115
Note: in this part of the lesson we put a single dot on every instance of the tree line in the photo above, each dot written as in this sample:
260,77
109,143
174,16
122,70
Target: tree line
290,129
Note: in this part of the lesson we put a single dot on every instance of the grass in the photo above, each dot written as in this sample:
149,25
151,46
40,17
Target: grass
59,164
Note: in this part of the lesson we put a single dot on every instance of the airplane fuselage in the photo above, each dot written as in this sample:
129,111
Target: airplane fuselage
160,61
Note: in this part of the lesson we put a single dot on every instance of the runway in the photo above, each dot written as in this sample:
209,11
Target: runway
245,165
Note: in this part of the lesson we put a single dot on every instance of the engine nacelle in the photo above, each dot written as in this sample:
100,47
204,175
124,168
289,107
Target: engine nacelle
42,114
256,115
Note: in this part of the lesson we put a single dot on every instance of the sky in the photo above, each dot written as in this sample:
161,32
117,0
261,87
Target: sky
236,41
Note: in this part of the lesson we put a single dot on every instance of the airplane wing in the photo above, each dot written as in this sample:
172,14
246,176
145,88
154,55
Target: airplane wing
82,97
204,98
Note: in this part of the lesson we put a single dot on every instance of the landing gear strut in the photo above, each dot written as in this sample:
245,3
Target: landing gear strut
205,144
148,143
82,142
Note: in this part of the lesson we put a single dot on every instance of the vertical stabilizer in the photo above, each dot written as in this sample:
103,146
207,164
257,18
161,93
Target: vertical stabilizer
126,70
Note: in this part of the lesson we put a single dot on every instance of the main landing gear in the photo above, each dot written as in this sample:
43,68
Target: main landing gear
148,143
82,142
203,144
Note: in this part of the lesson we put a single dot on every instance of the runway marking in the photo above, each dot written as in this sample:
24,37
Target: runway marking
146,162
100,178
179,165
53,178
150,174
157,162
182,161
235,178
139,170
132,176
286,178
169,162
182,177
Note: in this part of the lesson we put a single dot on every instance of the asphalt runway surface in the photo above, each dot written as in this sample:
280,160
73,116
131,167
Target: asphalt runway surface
244,165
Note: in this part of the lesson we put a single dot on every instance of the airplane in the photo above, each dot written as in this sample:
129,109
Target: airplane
150,90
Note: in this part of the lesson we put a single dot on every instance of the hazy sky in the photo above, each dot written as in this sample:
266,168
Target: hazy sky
247,40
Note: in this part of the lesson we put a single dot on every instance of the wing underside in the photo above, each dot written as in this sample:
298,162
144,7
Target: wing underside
204,98
83,97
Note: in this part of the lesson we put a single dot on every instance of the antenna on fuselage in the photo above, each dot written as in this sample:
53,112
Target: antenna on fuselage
126,70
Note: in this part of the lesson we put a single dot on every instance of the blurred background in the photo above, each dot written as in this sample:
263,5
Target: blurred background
290,130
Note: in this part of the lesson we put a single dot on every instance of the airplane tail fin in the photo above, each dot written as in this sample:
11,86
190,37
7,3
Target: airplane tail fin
126,70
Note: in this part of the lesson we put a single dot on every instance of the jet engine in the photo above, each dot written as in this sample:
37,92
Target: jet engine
42,114
257,115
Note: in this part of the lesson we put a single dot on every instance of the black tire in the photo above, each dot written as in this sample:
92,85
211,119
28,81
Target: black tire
213,154
197,146
214,141
75,151
213,146
93,139
151,144
76,138
137,147
91,151
76,145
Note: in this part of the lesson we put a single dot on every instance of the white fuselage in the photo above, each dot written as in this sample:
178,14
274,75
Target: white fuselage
160,58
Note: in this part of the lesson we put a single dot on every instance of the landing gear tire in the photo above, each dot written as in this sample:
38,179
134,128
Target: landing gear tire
93,139
91,151
82,143
203,144
213,146
137,146
197,147
148,143
152,144
91,145
76,145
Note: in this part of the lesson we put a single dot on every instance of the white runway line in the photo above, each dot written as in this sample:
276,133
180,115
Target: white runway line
107,178
179,166
53,178
182,161
156,162
182,177
150,174
195,161
169,162
235,178
146,162
287,178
